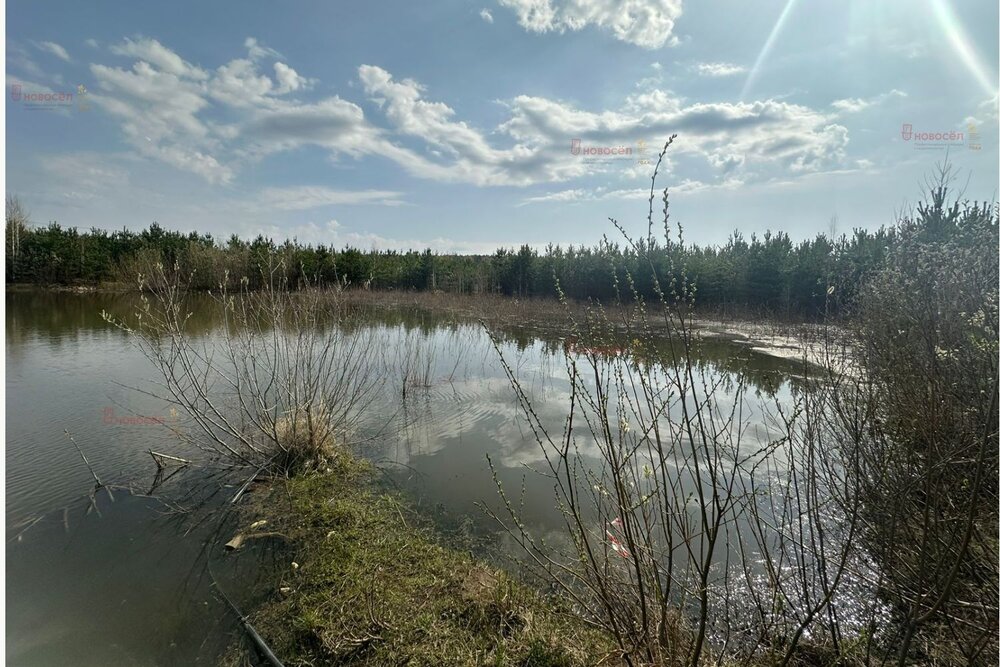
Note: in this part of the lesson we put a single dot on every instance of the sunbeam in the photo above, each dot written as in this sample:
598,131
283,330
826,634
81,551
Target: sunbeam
962,45
766,50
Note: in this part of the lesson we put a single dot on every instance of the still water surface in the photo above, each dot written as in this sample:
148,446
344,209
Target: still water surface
122,578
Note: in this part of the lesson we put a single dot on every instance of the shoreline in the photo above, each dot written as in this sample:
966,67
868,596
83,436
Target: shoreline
367,580
801,340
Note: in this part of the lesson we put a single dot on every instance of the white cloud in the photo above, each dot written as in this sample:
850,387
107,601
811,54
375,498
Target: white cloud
691,186
465,153
577,195
18,58
726,135
54,49
288,79
238,83
92,43
332,123
686,186
645,23
718,70
990,107
256,51
571,195
162,102
154,53
486,15
336,235
158,102
986,113
84,177
300,198
214,122
858,104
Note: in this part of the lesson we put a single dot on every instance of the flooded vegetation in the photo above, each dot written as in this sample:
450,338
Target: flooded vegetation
138,560
526,333
385,478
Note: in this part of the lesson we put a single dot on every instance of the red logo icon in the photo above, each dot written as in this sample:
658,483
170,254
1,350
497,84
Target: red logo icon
574,147
15,92
907,131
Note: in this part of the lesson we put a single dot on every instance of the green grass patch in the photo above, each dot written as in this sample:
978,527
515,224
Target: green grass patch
372,585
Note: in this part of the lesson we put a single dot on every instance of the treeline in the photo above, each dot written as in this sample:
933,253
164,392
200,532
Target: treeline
769,272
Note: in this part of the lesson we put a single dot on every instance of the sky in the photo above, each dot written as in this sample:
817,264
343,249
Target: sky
464,126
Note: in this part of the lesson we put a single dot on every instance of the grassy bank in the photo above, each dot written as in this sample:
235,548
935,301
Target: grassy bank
372,585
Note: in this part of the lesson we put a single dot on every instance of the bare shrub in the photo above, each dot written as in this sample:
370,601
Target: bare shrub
687,536
927,329
280,386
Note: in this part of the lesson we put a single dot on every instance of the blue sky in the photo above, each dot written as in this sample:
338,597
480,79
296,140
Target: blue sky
451,124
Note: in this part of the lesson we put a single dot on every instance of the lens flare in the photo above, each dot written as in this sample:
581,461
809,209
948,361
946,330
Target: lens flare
766,50
962,45
947,22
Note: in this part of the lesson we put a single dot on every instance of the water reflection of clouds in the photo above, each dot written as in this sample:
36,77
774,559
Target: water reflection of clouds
480,409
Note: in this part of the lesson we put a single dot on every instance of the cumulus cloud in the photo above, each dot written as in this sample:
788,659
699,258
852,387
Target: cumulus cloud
288,79
239,83
724,134
162,102
718,70
332,123
486,15
158,106
467,155
645,23
169,109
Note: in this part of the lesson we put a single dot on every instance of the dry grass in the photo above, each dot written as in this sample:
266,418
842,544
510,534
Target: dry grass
307,438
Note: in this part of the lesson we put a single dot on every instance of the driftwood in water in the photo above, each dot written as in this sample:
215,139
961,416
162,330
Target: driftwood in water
97,479
162,459
240,538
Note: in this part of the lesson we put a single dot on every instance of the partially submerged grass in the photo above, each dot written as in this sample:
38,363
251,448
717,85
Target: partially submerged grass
370,585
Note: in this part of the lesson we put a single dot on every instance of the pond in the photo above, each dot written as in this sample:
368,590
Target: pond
124,576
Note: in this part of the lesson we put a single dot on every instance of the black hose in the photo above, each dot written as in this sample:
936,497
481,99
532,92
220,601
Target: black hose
257,639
